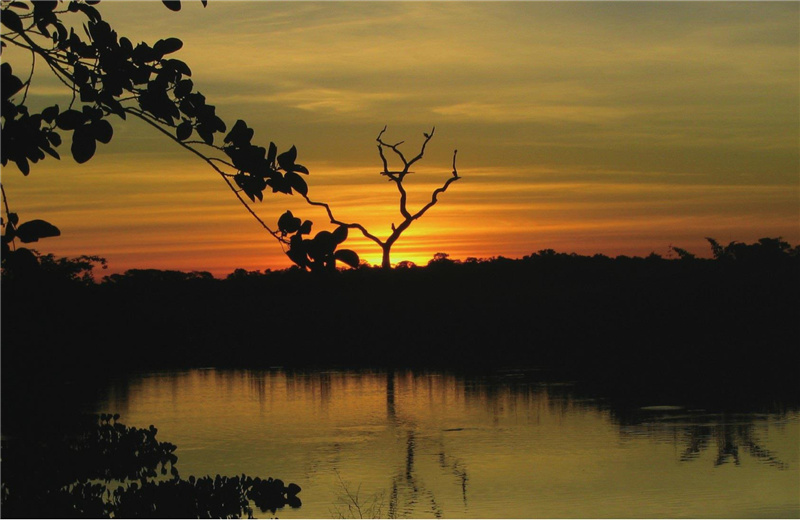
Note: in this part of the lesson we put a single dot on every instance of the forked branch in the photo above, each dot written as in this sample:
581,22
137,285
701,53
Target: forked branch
396,176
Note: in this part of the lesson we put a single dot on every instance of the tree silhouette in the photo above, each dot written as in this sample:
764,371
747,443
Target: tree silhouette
397,177
108,76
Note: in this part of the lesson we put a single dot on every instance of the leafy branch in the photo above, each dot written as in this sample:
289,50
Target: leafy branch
107,76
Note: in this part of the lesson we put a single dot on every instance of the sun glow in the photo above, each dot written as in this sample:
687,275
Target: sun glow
574,132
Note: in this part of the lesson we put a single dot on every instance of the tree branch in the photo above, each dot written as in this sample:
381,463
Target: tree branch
30,77
8,214
210,161
428,137
397,177
434,198
353,225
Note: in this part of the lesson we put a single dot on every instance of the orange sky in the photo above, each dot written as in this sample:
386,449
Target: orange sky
615,128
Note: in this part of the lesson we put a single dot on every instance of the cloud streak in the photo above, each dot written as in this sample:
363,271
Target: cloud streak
587,126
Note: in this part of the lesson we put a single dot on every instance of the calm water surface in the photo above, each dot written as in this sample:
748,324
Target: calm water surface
438,445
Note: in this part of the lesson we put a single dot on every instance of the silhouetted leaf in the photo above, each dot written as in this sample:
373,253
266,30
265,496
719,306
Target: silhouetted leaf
340,234
114,106
13,218
183,88
279,185
305,229
54,138
34,154
61,32
10,83
51,152
22,164
297,182
205,134
273,151
184,130
125,44
102,130
239,135
88,93
167,46
348,257
42,8
172,5
6,239
33,230
90,11
92,113
83,145
50,113
300,168
218,124
11,20
286,159
322,245
80,73
288,223
178,66
297,251
70,119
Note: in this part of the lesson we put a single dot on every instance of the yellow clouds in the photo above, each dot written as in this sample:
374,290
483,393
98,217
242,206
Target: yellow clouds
586,126
500,113
325,100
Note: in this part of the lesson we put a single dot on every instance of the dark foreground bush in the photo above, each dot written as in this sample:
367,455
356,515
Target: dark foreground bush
96,467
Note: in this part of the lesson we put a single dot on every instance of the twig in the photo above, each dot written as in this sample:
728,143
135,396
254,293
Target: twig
8,214
144,117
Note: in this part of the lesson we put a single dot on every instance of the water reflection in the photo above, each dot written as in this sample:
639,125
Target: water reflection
727,434
440,445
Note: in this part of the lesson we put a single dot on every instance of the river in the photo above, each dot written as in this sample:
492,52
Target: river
434,444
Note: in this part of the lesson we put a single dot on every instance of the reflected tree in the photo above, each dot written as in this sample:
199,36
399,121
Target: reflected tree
729,440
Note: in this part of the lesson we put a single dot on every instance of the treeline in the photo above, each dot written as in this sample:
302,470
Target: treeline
644,319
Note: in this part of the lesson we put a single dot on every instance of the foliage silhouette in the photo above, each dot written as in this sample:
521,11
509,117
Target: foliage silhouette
763,251
110,77
100,468
319,253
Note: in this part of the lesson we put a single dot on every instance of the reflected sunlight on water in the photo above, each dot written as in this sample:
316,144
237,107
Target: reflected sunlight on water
438,445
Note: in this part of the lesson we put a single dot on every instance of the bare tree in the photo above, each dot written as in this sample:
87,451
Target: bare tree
397,177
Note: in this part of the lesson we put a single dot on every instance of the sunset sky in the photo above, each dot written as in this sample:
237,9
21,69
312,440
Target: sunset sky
593,127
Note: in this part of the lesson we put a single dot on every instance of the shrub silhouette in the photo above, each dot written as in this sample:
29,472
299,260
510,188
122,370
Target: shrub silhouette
100,468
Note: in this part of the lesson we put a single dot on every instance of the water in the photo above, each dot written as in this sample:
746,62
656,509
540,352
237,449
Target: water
437,445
